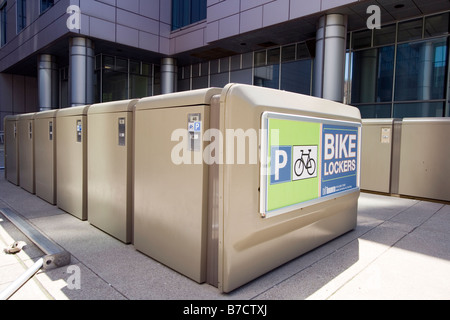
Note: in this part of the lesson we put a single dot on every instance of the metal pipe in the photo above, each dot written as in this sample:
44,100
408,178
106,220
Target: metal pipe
56,256
12,288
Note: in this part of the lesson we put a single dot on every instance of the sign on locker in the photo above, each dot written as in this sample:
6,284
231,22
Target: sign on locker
306,160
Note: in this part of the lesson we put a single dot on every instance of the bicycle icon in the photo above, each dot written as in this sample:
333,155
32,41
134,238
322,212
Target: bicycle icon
305,161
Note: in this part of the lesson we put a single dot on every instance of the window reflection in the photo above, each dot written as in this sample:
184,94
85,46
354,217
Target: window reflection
404,72
421,70
373,72
121,79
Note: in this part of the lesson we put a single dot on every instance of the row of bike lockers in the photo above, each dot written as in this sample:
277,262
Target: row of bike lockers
408,157
220,184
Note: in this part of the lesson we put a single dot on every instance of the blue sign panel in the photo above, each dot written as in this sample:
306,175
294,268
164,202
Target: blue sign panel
340,159
195,126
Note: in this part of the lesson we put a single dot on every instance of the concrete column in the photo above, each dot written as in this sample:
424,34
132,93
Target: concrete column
168,75
425,79
425,75
48,87
82,63
329,63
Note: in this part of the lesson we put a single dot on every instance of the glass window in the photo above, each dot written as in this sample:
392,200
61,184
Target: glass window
200,82
135,67
214,66
235,62
419,109
97,88
180,73
224,64
186,12
362,39
288,53
146,69
372,75
296,76
437,25
64,88
140,86
120,79
3,24
187,72
273,56
45,4
260,58
121,65
197,10
195,70
410,30
267,76
184,85
204,69
241,76
303,51
21,15
98,62
375,111
421,70
219,80
247,60
108,62
384,35
157,80
115,86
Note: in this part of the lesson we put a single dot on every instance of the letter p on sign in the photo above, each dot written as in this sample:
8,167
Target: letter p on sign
280,164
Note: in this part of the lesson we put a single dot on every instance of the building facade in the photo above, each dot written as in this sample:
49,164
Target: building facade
390,58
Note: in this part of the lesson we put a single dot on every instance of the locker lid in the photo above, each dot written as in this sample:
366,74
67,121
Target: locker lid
378,121
266,97
178,99
46,114
12,117
428,121
113,106
27,116
73,111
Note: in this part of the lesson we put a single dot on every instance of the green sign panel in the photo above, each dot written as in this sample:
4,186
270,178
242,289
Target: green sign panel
306,160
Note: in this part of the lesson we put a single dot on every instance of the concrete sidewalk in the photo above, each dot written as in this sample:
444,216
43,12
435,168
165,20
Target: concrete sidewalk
399,250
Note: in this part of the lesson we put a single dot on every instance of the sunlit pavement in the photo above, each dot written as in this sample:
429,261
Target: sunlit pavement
400,249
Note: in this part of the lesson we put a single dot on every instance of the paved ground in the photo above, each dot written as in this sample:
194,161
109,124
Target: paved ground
399,250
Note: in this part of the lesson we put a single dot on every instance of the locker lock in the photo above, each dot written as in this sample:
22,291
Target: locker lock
195,130
122,129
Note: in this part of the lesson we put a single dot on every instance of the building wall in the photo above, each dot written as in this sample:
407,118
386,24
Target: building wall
18,94
402,71
142,24
226,18
41,30
146,24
